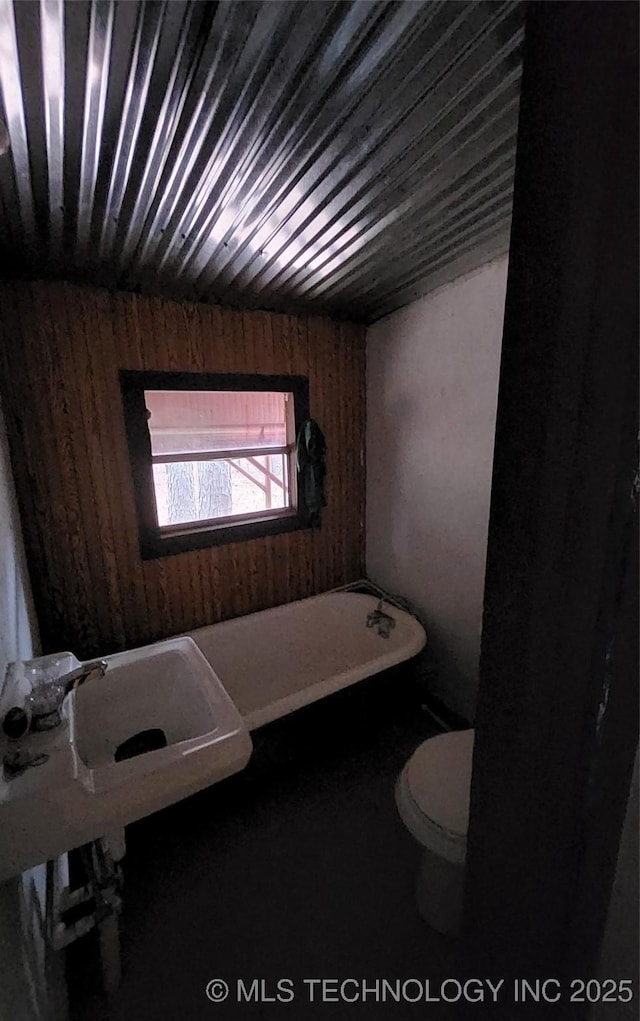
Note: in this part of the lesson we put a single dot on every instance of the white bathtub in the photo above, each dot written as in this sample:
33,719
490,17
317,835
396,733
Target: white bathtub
281,659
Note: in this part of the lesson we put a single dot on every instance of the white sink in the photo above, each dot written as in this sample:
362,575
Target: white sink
169,687
82,792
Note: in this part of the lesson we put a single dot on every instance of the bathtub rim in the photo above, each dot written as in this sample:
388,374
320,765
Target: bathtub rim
309,694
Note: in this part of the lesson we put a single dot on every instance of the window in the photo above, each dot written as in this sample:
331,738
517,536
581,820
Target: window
219,454
212,457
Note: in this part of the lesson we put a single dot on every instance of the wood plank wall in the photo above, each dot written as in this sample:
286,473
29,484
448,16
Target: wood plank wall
61,347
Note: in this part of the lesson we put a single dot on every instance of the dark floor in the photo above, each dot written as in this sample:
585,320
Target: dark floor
297,868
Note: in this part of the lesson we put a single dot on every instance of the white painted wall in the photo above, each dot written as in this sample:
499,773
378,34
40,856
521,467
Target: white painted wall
31,976
432,389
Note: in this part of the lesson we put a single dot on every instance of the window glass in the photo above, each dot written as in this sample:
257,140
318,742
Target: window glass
189,491
196,421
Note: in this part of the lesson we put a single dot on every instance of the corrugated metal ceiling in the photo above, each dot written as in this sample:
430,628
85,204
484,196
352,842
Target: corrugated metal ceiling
339,157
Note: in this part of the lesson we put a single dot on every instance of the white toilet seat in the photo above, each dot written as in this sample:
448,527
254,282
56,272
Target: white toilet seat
433,792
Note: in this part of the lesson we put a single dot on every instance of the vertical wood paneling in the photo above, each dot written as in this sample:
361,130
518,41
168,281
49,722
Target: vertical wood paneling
102,352
61,348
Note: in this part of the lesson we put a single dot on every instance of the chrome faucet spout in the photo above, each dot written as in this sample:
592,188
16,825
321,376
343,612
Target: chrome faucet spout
43,711
47,698
81,674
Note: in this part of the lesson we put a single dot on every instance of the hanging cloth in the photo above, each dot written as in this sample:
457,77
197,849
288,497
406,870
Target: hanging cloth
311,449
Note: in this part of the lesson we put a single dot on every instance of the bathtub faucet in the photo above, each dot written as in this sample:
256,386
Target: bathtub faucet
380,620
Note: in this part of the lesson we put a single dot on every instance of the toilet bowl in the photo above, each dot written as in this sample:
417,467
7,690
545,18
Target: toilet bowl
432,795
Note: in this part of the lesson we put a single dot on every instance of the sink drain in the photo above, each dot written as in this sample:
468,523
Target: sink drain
141,743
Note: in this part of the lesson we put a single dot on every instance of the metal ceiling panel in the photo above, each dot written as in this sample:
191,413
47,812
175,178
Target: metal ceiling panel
335,157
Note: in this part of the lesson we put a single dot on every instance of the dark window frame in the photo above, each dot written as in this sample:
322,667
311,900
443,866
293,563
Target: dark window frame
156,541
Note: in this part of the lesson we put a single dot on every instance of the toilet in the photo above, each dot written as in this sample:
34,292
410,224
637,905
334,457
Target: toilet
432,795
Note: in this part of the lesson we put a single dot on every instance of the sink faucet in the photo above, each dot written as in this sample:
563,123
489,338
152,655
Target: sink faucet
41,712
84,672
46,699
43,704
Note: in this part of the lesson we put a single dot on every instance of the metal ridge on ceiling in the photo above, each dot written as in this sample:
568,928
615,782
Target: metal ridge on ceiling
340,158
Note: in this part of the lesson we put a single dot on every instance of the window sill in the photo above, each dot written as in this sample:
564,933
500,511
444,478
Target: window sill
166,542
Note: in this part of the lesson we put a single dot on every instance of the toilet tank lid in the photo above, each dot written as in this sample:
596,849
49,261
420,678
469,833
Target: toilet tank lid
439,779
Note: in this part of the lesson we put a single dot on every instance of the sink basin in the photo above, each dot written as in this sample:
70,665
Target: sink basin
168,687
86,789
138,694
